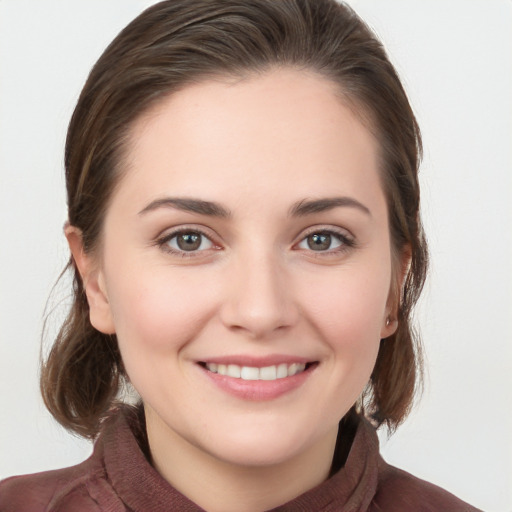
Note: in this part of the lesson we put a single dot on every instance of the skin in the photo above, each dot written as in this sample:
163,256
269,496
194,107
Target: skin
253,288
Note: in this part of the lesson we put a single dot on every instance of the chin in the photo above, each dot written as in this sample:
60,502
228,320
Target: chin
262,446
249,454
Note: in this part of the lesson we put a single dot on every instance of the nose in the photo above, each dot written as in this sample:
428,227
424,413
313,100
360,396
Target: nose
260,299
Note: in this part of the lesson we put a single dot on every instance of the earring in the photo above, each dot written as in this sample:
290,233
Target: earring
389,321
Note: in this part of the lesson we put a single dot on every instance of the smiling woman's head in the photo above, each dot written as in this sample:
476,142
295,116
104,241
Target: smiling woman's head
194,51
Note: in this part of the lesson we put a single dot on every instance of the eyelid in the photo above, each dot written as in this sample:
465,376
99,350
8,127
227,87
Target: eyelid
163,239
347,238
326,228
322,228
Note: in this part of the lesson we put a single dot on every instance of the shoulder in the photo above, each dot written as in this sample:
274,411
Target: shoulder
398,490
52,490
81,488
86,487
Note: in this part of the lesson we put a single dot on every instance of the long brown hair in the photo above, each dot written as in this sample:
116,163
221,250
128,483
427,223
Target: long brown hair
178,42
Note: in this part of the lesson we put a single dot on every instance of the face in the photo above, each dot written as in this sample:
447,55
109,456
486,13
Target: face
245,265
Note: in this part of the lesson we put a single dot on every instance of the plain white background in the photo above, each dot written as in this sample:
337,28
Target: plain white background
455,58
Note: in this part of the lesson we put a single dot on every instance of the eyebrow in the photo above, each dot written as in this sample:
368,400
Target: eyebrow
189,205
210,208
307,207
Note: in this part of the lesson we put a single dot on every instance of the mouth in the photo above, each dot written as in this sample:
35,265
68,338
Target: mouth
258,378
255,373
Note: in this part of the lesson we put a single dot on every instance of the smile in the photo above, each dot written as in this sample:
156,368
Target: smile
274,372
258,379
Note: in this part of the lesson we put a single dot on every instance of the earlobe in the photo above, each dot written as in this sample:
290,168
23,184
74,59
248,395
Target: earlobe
401,269
390,326
93,282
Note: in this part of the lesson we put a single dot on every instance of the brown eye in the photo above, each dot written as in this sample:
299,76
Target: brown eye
189,241
325,241
319,241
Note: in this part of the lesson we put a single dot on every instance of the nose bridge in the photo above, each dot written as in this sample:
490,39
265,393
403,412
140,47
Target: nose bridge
259,300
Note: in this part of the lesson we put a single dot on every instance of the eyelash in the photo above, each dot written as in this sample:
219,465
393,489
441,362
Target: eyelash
347,242
163,242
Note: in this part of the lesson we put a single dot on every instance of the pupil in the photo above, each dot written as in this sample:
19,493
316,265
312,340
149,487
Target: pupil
319,241
189,241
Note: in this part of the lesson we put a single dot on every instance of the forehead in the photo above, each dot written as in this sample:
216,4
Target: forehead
277,132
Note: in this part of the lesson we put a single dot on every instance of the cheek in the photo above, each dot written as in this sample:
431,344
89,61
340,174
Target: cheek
349,305
159,311
348,310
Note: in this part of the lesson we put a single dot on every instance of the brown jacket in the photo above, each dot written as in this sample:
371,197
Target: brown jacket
118,478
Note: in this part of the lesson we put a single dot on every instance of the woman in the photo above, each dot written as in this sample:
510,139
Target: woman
246,243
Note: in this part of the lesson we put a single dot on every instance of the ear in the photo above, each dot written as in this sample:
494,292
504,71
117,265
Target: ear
93,282
401,264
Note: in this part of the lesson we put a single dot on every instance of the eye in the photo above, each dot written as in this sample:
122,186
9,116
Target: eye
187,241
325,241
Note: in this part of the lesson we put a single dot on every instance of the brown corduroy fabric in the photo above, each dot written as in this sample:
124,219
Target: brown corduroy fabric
118,478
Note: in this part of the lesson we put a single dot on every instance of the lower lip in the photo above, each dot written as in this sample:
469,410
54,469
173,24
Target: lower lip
258,390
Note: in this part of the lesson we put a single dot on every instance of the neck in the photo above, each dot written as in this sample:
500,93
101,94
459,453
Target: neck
219,486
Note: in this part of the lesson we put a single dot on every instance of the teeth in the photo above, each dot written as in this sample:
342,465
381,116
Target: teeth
233,371
282,371
268,373
251,373
292,370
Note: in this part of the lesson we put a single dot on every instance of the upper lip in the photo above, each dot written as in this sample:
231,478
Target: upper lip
257,361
